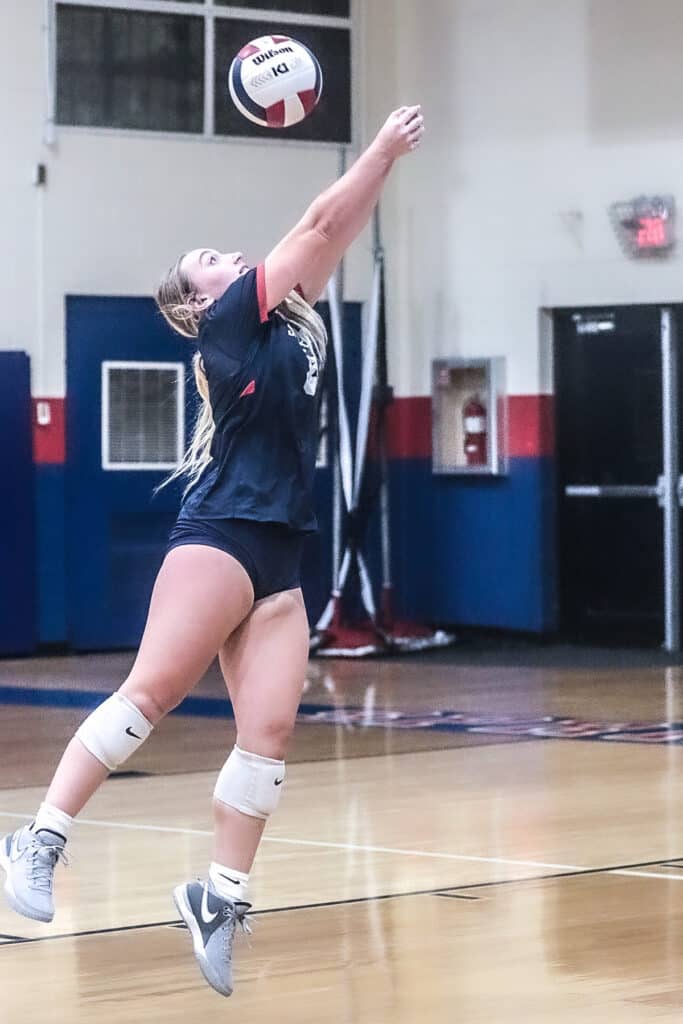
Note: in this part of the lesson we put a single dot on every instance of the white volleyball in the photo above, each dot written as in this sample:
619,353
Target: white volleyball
275,81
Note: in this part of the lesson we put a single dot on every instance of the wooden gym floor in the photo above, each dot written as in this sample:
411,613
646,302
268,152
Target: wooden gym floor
451,847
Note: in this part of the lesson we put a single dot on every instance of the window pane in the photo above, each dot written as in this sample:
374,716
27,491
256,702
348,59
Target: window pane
331,8
130,69
330,121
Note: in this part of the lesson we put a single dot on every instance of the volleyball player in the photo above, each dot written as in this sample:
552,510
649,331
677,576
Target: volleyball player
229,584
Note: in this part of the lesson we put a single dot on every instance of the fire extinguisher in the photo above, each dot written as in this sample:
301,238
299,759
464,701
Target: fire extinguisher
474,426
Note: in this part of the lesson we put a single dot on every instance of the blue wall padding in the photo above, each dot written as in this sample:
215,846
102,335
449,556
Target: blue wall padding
50,508
18,606
473,551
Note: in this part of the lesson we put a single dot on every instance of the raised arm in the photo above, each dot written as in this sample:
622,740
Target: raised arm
308,255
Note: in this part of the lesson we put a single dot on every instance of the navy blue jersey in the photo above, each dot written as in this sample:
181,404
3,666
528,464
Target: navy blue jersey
264,386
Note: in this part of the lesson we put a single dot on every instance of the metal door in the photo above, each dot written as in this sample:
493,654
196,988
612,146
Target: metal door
123,363
617,399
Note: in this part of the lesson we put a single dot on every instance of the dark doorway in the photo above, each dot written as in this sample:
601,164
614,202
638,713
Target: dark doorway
609,391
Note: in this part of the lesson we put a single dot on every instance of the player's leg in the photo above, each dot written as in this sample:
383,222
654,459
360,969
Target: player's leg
264,664
200,596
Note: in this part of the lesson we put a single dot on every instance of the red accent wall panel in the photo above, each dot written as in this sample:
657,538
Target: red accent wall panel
531,426
409,428
49,440
409,423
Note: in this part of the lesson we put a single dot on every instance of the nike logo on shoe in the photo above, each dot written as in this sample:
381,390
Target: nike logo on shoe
129,732
13,851
207,916
278,782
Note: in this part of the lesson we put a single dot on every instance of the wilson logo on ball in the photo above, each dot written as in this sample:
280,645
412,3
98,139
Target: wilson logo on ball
260,57
275,81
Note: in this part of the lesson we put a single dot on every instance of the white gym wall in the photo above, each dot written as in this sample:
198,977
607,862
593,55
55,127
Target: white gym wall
540,114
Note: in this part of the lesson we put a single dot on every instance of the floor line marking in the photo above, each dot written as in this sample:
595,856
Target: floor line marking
649,874
445,892
455,896
470,858
449,892
119,824
319,844
352,847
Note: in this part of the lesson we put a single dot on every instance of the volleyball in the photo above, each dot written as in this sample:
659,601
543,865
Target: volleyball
275,81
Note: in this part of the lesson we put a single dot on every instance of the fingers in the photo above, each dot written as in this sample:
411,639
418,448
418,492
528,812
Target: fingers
407,125
414,127
415,137
409,114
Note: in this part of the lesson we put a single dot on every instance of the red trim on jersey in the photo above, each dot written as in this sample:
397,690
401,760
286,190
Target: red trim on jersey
250,389
275,114
261,292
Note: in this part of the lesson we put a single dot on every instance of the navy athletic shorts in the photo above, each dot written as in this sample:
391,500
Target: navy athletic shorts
269,552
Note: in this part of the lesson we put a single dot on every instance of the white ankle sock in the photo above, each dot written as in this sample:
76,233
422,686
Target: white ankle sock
230,884
52,818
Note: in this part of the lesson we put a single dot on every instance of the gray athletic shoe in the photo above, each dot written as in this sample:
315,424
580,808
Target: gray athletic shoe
211,920
29,859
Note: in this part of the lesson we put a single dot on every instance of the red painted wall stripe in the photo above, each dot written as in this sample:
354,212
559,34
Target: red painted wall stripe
531,427
49,440
409,428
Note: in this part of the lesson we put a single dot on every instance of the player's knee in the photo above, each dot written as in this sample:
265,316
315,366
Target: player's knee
114,731
250,783
152,702
271,737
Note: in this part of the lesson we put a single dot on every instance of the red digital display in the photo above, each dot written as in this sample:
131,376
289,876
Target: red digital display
652,233
645,225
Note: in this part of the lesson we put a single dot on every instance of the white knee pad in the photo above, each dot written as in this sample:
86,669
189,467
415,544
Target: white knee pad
114,731
250,783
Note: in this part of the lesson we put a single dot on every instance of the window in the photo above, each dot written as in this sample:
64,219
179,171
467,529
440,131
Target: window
140,66
143,415
331,8
130,69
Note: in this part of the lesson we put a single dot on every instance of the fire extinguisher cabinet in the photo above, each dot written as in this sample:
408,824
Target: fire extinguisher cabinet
469,424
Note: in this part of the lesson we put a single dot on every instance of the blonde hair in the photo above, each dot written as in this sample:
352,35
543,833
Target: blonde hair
173,297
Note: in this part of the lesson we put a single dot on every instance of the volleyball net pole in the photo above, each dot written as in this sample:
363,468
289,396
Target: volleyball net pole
353,503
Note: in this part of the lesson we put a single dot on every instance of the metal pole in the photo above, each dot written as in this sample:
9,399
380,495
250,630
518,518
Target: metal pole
672,628
383,394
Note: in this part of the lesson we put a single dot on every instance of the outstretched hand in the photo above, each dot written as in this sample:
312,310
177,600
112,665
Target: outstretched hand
402,131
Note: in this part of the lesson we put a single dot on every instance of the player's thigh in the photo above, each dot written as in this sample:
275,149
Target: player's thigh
200,597
264,665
